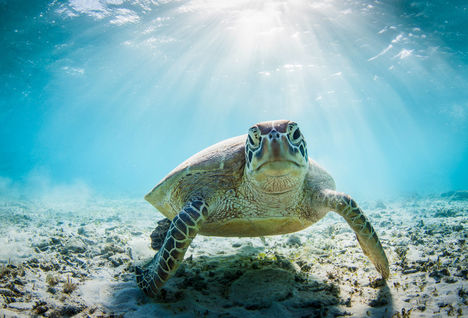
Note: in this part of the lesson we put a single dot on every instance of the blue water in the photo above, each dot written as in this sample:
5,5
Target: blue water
106,97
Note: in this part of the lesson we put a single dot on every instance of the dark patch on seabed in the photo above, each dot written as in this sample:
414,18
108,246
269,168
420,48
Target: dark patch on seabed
78,261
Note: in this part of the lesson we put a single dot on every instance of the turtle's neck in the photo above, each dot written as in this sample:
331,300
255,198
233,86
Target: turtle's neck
276,192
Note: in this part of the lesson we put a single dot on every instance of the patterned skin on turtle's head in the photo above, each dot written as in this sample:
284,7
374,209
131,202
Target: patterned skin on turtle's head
276,156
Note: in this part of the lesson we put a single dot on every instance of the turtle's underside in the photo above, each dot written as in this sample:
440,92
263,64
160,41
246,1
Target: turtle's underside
258,184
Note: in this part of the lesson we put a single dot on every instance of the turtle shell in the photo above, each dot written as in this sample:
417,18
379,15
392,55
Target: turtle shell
213,170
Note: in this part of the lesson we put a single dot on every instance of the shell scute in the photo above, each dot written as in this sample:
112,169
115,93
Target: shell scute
217,167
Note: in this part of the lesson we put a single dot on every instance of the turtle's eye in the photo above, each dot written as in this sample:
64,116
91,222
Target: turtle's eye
254,137
294,133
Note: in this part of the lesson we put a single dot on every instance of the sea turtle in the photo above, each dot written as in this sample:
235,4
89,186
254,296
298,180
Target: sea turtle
258,184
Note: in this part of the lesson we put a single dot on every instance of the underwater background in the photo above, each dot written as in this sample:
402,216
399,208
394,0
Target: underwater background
100,99
105,97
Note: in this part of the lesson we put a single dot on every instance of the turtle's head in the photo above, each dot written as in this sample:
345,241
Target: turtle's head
276,156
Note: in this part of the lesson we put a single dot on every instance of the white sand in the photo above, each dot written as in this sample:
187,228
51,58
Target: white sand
64,260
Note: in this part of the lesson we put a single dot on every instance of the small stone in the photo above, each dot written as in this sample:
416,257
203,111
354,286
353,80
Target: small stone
82,231
41,309
79,262
116,261
70,310
352,268
438,274
450,280
67,311
110,248
42,246
463,273
347,303
46,267
52,290
129,252
7,292
410,270
55,241
294,240
74,246
21,305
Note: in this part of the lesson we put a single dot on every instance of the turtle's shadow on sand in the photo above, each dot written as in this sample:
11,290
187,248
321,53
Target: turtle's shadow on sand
382,305
246,286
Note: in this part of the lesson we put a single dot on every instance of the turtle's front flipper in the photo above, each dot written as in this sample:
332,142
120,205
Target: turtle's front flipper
344,205
182,230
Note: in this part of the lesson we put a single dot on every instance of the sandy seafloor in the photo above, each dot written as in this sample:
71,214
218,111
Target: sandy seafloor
69,259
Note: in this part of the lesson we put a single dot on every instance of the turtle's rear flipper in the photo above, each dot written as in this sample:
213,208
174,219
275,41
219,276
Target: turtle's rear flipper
344,205
159,234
